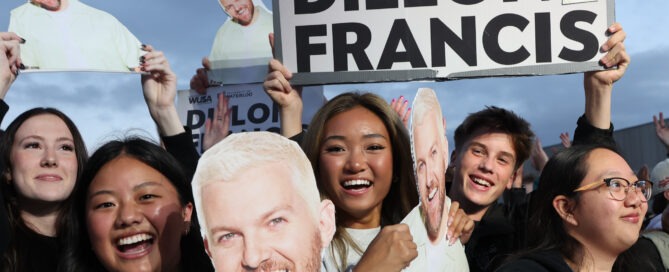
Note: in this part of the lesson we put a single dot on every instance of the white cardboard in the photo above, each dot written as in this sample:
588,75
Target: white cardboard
380,21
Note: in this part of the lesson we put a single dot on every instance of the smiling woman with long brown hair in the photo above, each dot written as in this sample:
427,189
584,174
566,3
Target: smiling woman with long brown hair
361,156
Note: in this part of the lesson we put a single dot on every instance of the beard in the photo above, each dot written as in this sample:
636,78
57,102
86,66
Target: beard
313,262
433,225
50,5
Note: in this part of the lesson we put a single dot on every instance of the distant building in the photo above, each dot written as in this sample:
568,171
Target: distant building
638,144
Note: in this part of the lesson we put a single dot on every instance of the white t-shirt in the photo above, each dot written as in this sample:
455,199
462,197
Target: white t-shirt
77,38
362,237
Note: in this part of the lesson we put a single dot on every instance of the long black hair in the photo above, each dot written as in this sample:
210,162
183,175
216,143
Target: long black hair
561,176
79,257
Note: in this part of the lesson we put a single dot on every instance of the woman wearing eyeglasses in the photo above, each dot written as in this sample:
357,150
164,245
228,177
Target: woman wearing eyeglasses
588,212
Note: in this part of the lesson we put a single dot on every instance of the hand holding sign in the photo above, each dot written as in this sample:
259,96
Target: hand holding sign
160,89
615,56
599,85
10,62
200,81
289,99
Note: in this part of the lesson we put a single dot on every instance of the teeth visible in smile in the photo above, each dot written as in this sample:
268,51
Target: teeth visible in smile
482,182
357,182
134,239
432,193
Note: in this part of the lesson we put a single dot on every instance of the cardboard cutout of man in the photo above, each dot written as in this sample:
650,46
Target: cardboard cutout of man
69,35
243,36
428,221
257,200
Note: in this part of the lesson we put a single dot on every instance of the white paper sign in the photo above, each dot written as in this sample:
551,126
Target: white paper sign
327,41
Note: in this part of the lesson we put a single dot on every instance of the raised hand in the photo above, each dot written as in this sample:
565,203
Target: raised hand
565,140
217,129
159,85
616,55
538,155
289,99
10,60
599,85
200,81
661,130
401,106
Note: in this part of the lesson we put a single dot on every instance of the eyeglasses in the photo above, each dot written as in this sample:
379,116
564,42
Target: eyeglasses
618,187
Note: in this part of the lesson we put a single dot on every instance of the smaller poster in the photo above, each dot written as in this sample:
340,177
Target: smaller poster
251,108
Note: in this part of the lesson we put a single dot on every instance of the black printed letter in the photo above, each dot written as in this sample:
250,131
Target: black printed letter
400,32
304,49
341,48
442,35
491,39
589,40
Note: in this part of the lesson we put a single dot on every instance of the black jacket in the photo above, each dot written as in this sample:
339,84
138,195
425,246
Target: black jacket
543,261
500,232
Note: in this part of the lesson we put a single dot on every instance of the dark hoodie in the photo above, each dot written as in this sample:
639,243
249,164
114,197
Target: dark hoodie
549,261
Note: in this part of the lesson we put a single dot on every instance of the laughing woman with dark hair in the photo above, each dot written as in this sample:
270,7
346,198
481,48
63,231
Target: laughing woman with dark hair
134,209
132,204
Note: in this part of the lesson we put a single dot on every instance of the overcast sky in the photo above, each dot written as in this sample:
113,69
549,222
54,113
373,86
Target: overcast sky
109,105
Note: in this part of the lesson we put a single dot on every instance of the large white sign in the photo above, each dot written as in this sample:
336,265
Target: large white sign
328,41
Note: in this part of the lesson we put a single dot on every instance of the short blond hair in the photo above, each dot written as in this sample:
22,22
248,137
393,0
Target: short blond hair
243,151
426,102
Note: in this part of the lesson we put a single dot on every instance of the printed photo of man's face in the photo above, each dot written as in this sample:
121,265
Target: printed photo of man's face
241,11
430,148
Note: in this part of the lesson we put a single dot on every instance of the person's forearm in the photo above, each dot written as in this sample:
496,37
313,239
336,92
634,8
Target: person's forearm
291,121
598,103
167,120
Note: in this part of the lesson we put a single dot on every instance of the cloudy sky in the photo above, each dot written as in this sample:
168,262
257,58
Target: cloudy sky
111,105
